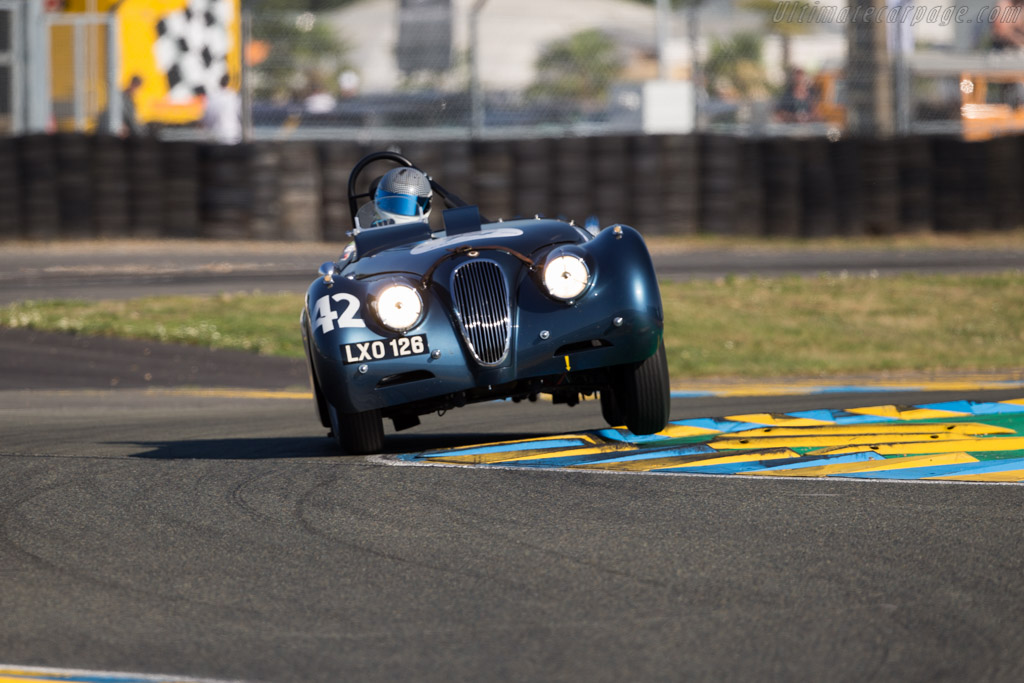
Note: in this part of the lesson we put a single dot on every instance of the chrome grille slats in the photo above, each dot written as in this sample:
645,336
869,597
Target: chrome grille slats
482,304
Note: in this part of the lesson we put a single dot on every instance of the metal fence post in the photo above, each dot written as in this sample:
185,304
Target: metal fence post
661,26
901,94
37,50
15,61
81,73
246,77
693,28
901,45
476,97
869,83
114,112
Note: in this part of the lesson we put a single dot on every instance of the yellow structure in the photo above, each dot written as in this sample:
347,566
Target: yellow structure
981,118
984,120
829,106
178,47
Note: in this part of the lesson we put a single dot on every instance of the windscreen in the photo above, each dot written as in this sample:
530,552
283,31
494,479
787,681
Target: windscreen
376,214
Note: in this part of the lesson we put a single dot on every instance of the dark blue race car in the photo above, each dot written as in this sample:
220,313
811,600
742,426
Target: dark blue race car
412,320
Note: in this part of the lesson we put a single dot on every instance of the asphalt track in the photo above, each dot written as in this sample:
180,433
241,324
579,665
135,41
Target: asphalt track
168,510
218,534
122,269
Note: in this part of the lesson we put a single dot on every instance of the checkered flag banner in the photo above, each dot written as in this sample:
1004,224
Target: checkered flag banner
192,47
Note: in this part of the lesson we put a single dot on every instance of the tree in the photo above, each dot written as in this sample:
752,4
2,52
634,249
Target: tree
295,5
582,66
675,4
786,19
735,67
301,50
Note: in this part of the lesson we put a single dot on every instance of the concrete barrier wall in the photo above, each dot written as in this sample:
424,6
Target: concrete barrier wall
78,186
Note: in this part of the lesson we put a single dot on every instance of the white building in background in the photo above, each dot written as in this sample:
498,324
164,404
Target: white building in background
513,33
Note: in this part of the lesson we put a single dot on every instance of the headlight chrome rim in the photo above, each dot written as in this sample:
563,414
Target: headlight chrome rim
566,276
399,307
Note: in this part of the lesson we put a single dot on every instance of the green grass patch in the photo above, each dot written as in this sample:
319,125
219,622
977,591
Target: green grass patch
262,323
731,327
759,327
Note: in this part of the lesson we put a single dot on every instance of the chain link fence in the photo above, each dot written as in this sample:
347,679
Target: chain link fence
503,69
442,68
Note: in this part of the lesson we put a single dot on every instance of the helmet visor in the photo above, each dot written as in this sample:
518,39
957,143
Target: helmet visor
401,204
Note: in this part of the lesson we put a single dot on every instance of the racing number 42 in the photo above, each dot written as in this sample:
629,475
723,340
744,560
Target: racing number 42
327,318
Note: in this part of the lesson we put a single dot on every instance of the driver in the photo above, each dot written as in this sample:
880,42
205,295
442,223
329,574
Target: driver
403,195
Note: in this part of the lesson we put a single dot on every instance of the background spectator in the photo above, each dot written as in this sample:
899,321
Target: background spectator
797,101
129,114
222,117
318,101
1007,28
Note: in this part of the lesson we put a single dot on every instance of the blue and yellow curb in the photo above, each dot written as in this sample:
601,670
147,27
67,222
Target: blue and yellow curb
952,441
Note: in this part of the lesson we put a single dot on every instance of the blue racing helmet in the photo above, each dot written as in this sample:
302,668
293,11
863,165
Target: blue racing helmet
404,194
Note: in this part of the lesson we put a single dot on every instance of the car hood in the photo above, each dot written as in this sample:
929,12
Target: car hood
523,236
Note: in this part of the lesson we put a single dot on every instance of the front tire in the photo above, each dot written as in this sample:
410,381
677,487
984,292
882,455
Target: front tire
610,408
358,433
642,394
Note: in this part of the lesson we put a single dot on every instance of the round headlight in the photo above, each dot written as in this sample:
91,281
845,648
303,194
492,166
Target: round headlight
399,307
566,276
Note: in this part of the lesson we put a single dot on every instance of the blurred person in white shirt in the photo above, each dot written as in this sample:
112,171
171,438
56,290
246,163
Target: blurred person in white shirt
222,117
319,101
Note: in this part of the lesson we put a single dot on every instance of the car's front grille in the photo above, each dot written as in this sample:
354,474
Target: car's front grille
482,304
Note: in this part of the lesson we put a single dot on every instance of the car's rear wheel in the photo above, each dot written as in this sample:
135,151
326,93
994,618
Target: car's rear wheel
358,433
642,394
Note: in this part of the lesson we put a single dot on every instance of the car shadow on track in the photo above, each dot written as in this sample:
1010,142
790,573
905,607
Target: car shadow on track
237,449
307,447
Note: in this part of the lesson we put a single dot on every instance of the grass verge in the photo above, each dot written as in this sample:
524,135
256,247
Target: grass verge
757,327
731,327
263,323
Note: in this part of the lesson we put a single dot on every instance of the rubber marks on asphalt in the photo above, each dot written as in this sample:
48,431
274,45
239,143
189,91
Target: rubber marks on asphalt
24,674
956,441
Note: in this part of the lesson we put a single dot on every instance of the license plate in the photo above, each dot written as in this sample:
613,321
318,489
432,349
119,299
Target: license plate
383,349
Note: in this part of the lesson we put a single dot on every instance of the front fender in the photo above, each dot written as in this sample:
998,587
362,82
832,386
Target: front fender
626,279
338,315
335,314
617,320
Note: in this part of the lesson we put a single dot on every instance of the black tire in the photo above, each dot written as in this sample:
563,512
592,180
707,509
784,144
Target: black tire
642,394
319,400
358,433
610,408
